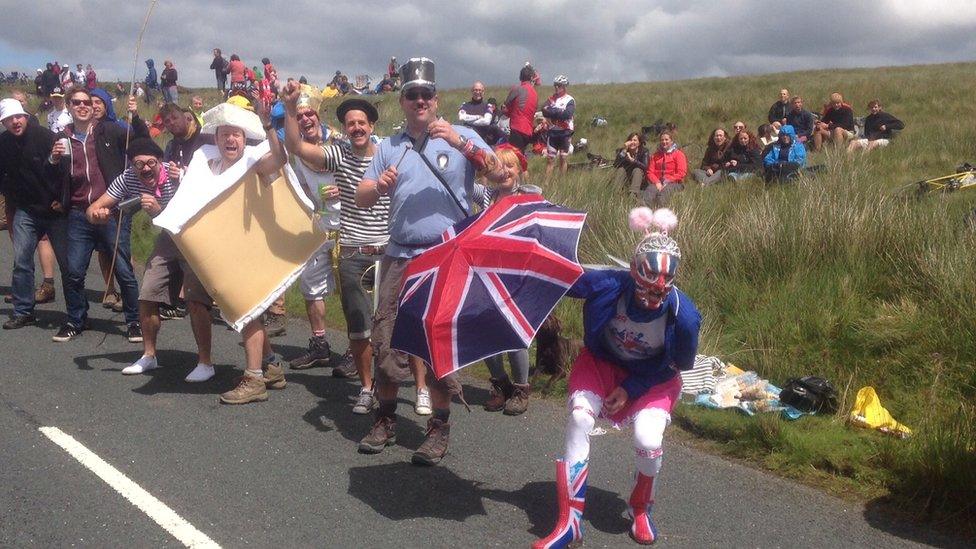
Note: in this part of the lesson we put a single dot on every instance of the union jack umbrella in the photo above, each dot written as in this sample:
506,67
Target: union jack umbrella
490,284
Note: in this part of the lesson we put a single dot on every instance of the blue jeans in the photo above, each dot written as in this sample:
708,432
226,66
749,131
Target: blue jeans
83,238
27,230
171,94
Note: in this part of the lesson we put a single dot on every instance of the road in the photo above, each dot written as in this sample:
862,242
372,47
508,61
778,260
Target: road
286,472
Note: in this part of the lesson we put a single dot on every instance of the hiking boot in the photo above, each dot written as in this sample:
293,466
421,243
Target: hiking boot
110,299
365,402
67,332
317,354
501,391
134,333
249,388
167,312
275,325
347,367
381,435
274,376
422,406
45,293
16,322
518,403
434,448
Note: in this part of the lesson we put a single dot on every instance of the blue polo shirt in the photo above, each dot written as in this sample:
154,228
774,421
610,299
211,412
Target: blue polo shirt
420,208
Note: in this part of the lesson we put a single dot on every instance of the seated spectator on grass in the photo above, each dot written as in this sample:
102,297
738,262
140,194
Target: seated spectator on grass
878,128
630,164
800,119
711,164
738,126
767,134
785,158
836,123
742,158
666,172
780,109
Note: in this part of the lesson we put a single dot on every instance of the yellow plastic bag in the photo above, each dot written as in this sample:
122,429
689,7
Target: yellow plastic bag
869,413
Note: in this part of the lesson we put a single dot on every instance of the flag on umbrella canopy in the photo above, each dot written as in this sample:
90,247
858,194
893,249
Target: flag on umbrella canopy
490,284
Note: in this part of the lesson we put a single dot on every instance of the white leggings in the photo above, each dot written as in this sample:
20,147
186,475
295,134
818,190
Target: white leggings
649,426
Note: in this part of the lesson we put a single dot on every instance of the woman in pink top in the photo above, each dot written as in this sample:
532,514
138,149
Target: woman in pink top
236,69
665,173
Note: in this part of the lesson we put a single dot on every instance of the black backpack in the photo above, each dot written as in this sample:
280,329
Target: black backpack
810,394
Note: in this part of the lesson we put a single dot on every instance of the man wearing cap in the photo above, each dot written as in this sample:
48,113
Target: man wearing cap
37,199
363,233
59,117
428,172
95,156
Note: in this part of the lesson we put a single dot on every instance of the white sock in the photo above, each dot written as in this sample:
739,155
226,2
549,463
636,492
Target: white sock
649,426
202,372
144,364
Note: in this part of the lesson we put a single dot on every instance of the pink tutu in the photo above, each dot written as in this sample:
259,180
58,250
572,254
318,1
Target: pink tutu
602,377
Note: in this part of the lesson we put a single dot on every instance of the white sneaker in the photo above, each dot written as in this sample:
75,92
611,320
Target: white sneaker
202,372
364,403
422,407
143,365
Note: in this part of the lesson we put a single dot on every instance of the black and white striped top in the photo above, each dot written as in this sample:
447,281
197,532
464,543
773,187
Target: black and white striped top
357,226
127,185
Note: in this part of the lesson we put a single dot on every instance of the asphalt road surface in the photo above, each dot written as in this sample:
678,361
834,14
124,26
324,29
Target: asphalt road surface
79,443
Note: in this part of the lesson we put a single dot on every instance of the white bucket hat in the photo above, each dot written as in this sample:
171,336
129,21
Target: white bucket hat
10,107
226,114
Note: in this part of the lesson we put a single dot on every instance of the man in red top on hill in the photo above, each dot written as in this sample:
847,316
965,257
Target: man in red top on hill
520,106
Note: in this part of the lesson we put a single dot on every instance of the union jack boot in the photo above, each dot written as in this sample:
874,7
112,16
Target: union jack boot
641,500
570,496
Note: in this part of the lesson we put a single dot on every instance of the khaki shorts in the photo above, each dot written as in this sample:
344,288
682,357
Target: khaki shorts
166,272
393,367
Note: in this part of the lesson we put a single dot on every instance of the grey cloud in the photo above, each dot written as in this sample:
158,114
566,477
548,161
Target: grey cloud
605,41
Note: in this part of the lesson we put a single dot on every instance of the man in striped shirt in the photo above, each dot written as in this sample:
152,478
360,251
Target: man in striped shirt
363,232
154,183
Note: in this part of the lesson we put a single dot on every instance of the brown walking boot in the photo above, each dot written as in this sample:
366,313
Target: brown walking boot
250,388
45,293
434,448
381,435
501,391
274,376
519,401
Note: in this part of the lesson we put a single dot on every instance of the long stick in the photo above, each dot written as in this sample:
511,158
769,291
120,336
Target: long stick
132,85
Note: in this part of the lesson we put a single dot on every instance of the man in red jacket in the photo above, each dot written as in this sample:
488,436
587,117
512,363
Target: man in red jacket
520,106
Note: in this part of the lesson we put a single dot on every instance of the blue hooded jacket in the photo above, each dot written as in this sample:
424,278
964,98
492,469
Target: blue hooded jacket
152,80
601,288
797,154
138,127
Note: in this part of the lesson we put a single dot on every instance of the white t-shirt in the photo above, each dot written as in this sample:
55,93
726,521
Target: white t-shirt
57,120
313,181
629,340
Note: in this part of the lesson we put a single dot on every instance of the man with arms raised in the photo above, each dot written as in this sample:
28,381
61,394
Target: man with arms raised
363,233
421,208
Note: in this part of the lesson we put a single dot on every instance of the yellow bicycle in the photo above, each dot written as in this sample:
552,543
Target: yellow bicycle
964,178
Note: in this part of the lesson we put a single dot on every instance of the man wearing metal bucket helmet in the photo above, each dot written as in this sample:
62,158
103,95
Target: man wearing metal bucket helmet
639,330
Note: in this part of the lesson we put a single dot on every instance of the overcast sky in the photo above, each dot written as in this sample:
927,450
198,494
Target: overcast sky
597,41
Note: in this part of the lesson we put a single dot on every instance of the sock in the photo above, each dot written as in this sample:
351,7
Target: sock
49,280
387,408
443,414
318,333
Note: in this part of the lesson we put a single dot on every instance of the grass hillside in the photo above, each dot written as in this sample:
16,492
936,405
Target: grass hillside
836,275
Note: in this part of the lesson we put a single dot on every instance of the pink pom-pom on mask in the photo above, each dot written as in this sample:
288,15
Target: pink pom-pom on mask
643,220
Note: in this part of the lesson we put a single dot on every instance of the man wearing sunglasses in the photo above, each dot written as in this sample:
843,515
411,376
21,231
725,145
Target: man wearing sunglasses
94,156
426,198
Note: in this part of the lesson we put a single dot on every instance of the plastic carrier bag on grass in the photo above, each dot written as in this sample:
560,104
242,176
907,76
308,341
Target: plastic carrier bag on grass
870,414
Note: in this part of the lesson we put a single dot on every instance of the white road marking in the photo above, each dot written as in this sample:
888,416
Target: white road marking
180,529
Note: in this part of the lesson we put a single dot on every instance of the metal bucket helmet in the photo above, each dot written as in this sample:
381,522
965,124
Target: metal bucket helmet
657,256
560,80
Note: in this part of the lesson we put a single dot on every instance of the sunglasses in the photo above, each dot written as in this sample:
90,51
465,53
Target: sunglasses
413,95
80,102
306,114
738,127
140,164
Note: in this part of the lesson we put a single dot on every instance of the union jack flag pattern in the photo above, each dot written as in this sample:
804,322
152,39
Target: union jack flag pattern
571,496
490,284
